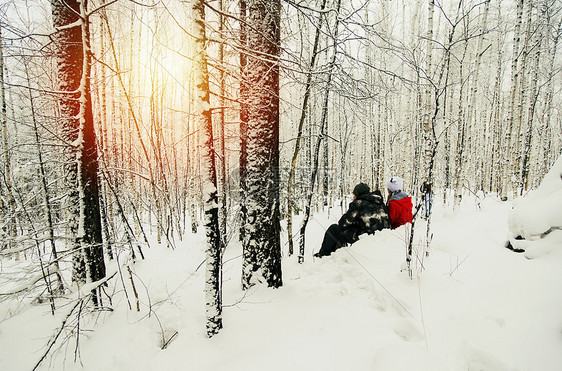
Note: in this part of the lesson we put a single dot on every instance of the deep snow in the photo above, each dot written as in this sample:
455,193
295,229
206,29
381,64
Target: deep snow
535,222
475,306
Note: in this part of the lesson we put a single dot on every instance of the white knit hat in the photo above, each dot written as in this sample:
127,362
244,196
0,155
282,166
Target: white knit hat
395,184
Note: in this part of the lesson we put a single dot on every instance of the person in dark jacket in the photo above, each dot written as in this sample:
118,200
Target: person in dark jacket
399,203
366,214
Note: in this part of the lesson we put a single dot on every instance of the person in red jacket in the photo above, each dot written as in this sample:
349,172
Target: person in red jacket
399,203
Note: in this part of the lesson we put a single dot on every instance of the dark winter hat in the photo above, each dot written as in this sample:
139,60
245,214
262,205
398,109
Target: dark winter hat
360,189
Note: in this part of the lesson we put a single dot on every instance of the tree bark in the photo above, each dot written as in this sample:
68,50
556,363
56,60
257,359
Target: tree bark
92,242
208,174
223,213
262,246
534,95
68,51
547,150
507,175
243,160
10,208
77,121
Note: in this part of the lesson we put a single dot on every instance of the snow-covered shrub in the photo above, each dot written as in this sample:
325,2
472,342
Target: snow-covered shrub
535,222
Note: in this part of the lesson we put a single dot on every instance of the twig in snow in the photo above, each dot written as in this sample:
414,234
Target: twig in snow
134,287
54,339
165,345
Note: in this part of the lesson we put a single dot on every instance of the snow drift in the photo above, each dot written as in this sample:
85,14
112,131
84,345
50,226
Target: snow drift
535,222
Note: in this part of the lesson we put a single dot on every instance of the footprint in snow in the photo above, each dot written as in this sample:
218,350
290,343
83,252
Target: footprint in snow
407,330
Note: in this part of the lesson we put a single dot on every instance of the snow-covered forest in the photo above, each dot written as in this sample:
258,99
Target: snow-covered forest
166,164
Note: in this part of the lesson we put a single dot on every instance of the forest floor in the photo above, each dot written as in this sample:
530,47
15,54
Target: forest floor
471,305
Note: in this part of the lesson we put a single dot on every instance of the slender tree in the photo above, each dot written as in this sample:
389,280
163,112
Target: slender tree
323,124
304,108
548,153
223,212
10,207
208,173
507,175
243,160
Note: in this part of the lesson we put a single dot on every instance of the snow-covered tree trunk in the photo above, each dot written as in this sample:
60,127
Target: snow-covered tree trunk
533,95
8,207
243,160
105,203
81,167
462,124
521,120
471,113
213,303
507,175
497,155
90,227
221,128
546,130
428,130
371,131
69,59
447,119
262,246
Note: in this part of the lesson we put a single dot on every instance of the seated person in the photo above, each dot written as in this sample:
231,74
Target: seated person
399,203
366,214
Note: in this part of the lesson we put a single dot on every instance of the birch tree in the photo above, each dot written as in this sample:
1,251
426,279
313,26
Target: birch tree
208,173
507,174
243,127
323,124
9,207
548,155
304,108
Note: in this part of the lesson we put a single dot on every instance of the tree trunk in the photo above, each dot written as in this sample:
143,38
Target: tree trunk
428,130
548,153
262,246
77,121
321,136
243,161
10,208
68,51
471,111
91,228
208,174
308,88
223,158
523,95
461,136
507,183
534,95
497,157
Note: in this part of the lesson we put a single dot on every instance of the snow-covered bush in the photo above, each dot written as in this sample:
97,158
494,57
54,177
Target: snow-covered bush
535,222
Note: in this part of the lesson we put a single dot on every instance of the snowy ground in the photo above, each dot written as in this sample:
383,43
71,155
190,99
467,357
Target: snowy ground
475,306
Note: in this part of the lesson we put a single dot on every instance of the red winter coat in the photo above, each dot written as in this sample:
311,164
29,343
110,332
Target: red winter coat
400,211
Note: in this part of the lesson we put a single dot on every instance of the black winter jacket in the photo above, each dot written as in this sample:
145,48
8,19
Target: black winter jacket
366,214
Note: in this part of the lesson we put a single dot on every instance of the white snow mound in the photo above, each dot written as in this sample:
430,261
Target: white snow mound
538,213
